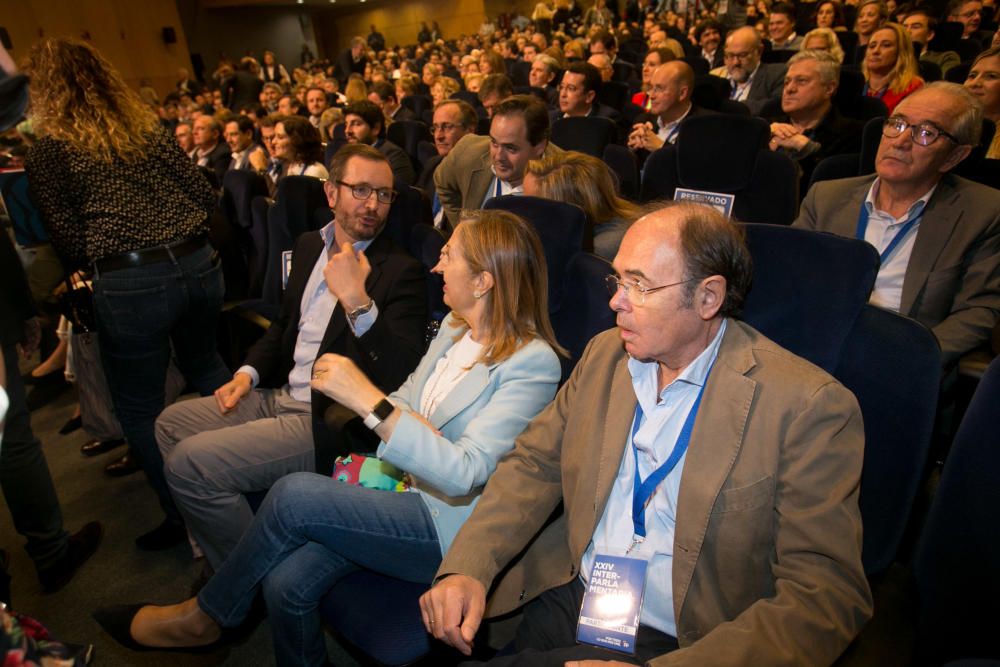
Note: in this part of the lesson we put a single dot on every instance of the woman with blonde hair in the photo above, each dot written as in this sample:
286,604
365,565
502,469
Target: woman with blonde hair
823,39
119,197
355,90
578,178
984,83
443,88
871,15
890,65
492,367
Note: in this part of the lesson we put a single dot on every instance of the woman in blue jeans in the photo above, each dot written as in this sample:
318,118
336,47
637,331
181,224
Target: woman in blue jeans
121,200
490,370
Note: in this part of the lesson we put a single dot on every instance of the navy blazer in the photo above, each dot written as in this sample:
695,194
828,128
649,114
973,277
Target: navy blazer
387,352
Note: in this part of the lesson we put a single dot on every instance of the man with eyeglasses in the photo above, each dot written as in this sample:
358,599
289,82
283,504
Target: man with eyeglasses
671,85
349,291
453,119
751,82
938,234
712,473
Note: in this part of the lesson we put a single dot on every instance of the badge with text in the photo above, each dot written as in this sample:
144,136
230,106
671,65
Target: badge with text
609,616
720,201
286,267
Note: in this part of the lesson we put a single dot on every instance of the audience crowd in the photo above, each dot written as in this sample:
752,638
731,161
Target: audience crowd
754,561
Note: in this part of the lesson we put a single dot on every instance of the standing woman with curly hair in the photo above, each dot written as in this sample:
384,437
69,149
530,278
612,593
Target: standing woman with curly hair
121,200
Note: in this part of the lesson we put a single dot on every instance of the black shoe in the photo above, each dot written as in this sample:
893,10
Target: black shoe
95,447
43,394
126,465
82,546
168,534
71,425
117,622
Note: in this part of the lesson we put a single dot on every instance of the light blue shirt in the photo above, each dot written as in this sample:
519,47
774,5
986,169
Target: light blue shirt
315,310
663,417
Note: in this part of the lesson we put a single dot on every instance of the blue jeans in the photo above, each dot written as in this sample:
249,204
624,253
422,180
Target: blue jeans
141,313
310,532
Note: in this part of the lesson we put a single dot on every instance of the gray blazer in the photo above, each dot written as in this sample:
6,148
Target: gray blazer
767,85
478,422
952,283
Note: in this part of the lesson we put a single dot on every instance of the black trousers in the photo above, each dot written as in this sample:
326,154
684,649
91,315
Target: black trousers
546,636
25,478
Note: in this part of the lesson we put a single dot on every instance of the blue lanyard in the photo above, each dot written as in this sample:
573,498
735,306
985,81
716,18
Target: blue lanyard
499,190
672,133
896,240
643,490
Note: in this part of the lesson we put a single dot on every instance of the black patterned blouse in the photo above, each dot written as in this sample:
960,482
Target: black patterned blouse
93,209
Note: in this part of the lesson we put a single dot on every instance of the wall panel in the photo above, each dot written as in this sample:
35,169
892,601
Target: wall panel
127,32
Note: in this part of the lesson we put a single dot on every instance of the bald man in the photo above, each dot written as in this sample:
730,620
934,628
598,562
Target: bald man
669,103
751,82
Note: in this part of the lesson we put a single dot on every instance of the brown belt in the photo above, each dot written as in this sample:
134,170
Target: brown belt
154,255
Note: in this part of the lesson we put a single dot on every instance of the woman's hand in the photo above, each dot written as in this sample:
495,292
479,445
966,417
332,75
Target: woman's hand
340,379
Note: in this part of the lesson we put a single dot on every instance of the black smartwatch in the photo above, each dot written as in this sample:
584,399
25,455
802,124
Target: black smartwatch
379,413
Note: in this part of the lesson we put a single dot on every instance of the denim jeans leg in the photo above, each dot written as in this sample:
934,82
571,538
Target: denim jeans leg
390,533
193,333
137,311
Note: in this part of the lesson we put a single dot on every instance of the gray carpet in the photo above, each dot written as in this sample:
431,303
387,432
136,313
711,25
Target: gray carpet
118,573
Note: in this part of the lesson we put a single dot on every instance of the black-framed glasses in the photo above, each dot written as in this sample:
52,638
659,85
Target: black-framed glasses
363,191
614,283
923,134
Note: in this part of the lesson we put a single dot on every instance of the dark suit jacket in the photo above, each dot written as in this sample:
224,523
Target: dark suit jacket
767,85
835,134
404,113
402,166
952,282
218,159
240,90
386,353
426,179
597,109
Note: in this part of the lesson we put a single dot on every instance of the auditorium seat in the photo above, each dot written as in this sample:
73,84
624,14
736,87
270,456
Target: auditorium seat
586,134
625,167
407,134
764,184
417,104
957,565
584,312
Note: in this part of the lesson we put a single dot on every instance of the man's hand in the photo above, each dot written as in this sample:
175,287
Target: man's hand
453,609
229,395
345,276
643,137
597,663
788,137
258,159
32,337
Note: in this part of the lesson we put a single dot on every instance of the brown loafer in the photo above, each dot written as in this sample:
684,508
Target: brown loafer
95,447
126,465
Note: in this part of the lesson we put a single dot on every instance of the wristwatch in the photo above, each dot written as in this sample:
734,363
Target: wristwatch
379,413
360,310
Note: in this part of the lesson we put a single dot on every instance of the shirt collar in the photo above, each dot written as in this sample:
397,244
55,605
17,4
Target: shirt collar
672,124
328,233
916,208
695,373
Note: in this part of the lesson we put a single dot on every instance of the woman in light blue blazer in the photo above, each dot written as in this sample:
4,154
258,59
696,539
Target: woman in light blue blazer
492,367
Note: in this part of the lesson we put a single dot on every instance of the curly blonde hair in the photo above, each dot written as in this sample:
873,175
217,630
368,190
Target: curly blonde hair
77,96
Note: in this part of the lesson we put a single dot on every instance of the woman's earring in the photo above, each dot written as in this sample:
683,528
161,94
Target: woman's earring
477,294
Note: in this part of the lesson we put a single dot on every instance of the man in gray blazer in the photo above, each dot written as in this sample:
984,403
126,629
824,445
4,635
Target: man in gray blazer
938,234
752,82
479,168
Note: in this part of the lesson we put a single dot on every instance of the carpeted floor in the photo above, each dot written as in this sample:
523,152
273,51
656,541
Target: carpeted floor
118,572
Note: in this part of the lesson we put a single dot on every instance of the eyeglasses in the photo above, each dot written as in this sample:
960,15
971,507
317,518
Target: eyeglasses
614,283
444,127
364,192
923,134
728,55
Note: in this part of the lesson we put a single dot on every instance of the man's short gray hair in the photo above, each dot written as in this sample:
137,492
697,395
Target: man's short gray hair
826,64
968,125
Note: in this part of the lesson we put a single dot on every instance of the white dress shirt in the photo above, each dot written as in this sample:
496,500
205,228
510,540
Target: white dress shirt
663,418
316,309
881,229
499,188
